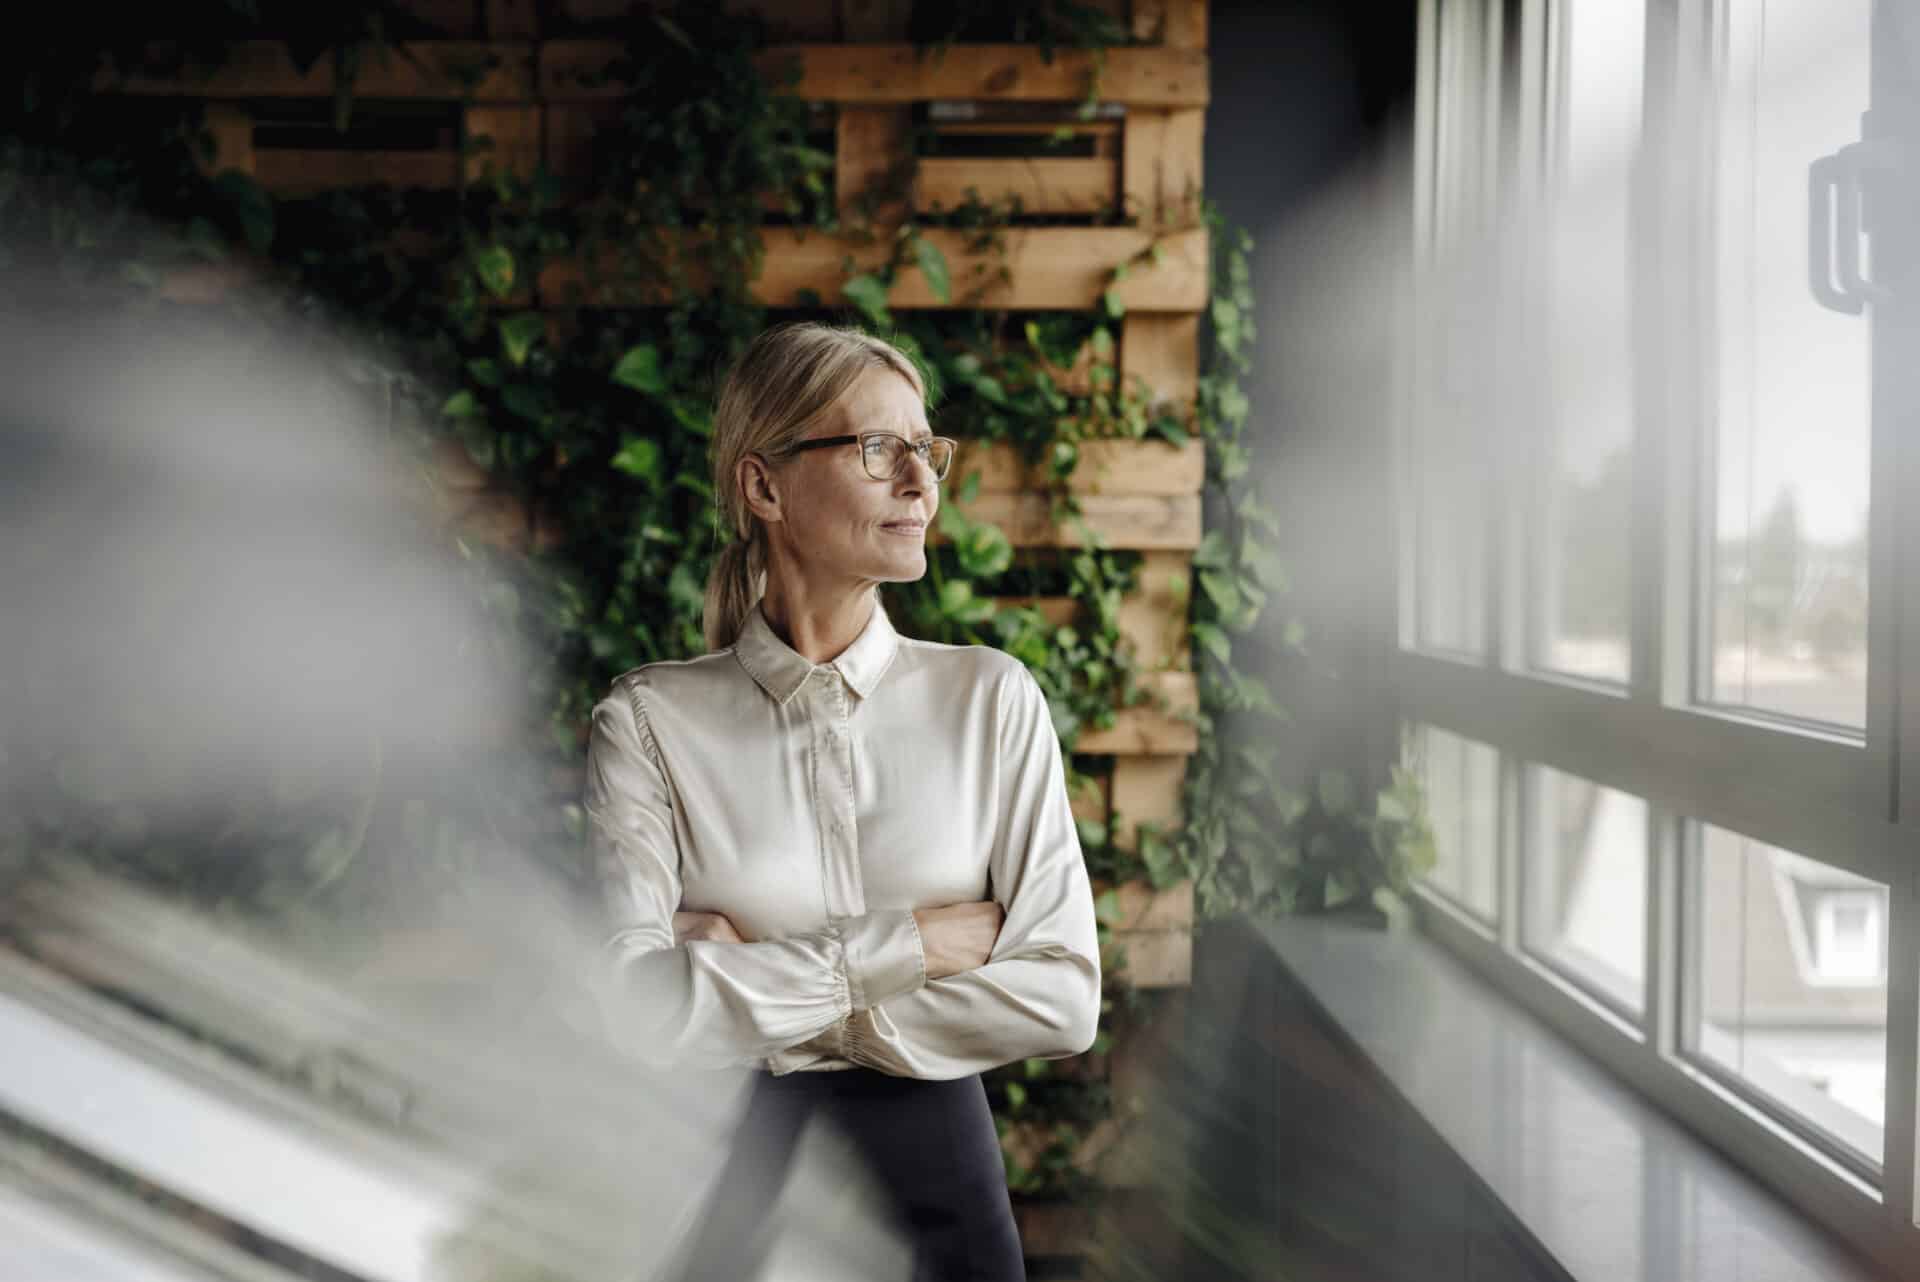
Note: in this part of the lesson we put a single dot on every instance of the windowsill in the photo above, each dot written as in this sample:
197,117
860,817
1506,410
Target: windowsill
1607,1185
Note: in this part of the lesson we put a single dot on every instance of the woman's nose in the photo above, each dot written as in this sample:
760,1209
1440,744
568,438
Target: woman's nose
917,473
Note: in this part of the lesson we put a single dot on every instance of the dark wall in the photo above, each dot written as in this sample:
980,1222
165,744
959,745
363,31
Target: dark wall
1304,148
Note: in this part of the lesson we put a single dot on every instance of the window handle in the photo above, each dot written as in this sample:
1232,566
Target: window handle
1836,189
1825,183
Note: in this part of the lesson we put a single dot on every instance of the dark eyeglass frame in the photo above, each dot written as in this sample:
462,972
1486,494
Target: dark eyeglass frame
923,447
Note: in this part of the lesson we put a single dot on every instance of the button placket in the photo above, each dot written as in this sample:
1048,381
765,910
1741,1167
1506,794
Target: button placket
834,793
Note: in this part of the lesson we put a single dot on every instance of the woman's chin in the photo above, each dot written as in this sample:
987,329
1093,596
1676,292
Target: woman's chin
903,567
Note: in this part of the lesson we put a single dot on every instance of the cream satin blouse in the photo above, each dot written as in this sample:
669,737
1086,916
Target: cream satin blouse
817,807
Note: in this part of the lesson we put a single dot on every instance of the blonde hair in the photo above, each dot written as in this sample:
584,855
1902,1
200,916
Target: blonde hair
789,377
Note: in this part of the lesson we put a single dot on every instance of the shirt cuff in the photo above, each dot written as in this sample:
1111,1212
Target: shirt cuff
884,956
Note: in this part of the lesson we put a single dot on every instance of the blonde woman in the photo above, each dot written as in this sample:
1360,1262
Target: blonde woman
832,854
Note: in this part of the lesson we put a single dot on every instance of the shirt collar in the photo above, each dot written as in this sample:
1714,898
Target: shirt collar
781,670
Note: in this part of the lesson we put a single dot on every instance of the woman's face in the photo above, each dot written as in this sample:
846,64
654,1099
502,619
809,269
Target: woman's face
836,521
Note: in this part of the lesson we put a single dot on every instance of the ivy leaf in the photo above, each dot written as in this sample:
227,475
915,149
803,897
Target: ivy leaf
1213,552
485,371
494,266
695,417
933,265
461,404
1220,590
640,457
1161,859
1093,833
517,335
958,602
1216,642
640,370
869,294
1111,304
983,551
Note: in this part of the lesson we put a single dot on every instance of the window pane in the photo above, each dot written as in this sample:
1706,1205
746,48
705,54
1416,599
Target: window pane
1788,570
1447,455
1791,993
1580,594
1462,780
1586,880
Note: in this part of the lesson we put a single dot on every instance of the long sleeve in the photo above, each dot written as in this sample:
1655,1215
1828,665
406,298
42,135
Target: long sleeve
1038,996
707,1003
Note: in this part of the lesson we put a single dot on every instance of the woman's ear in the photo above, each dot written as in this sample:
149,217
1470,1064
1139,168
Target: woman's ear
759,488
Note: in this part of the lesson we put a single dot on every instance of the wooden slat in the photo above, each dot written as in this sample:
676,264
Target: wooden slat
1090,802
1041,185
1145,728
1048,268
232,130
558,70
1162,350
1106,467
1152,958
430,69
1161,166
1144,908
1057,610
1177,24
901,73
517,140
299,171
1145,789
1153,617
870,144
1125,521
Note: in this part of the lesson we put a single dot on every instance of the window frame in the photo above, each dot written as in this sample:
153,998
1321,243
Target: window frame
1828,796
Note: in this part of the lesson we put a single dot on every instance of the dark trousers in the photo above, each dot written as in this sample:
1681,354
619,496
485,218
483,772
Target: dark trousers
931,1145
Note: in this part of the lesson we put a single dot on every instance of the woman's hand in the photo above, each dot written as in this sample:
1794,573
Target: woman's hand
708,926
958,937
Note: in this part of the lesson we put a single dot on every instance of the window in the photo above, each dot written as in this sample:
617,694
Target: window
1447,484
1585,868
1462,779
1582,568
1649,662
1786,566
1791,997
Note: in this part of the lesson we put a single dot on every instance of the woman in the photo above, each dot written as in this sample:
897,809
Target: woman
836,855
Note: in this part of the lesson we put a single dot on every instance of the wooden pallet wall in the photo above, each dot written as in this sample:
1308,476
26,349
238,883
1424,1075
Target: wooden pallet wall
1133,179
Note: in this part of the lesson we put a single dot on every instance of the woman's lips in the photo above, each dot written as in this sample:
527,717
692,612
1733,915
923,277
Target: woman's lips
906,529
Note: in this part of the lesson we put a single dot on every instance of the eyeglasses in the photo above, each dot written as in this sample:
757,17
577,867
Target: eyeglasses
885,453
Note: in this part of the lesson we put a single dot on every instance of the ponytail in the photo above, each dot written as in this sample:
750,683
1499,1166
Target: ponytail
734,586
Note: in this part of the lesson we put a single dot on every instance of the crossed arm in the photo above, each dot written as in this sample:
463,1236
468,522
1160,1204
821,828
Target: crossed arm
690,994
